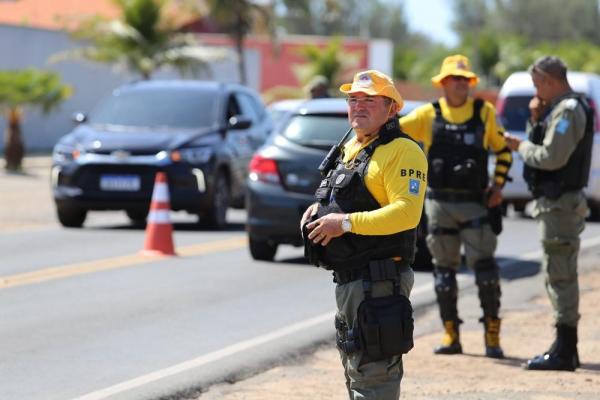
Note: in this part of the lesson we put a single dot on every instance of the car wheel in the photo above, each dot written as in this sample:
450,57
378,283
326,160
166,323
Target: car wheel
137,217
262,250
214,217
71,217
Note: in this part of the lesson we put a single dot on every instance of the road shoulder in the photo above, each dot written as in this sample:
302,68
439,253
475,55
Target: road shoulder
526,330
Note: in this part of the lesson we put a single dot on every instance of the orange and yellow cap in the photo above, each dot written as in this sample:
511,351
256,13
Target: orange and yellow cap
373,83
455,65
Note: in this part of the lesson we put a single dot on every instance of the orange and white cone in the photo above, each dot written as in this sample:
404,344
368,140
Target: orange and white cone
159,230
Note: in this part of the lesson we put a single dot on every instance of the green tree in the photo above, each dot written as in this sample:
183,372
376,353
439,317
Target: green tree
329,62
549,20
19,89
143,40
237,18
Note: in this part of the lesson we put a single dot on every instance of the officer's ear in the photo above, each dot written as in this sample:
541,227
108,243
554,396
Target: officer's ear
394,109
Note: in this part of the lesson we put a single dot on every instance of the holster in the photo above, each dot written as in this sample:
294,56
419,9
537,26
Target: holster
495,219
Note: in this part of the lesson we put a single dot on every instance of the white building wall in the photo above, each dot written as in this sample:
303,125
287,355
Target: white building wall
381,55
24,47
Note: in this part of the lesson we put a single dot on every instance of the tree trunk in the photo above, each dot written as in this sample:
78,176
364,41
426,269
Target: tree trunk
239,44
13,141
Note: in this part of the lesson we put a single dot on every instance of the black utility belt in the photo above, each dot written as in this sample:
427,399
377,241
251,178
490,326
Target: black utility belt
376,270
455,197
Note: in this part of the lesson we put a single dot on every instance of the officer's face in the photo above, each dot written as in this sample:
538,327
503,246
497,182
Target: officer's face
456,88
542,86
367,114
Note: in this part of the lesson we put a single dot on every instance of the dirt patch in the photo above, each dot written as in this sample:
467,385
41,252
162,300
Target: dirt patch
527,330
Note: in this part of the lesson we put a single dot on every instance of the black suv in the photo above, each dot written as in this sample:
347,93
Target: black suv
202,134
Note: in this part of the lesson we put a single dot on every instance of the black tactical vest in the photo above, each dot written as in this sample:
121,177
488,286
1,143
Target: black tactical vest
457,158
574,174
344,191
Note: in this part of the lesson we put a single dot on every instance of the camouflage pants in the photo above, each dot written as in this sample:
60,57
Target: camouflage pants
444,243
560,222
375,380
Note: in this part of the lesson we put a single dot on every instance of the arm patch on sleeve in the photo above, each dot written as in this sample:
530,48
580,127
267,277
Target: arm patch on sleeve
562,126
413,186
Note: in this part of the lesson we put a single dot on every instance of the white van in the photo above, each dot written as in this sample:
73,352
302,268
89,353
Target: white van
513,111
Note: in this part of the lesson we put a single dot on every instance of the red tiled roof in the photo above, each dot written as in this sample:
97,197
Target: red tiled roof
52,14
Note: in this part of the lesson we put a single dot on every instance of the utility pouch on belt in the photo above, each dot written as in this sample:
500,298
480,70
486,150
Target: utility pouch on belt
385,327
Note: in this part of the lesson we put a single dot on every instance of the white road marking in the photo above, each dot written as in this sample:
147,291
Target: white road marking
260,340
208,358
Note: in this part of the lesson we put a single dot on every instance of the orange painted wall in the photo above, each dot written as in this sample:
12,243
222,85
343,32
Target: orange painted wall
276,67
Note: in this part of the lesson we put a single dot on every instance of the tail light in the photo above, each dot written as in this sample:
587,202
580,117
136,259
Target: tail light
264,170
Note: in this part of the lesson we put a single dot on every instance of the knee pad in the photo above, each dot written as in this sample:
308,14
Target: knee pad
487,278
445,281
446,291
486,272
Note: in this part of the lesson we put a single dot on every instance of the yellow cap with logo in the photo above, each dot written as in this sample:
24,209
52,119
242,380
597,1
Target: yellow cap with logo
373,83
455,65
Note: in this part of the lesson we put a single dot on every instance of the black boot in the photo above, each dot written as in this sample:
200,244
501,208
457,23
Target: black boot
562,355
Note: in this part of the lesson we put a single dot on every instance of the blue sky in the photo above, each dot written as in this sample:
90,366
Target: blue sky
431,17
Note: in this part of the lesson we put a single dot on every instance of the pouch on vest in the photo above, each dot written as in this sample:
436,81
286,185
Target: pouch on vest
311,250
386,327
465,175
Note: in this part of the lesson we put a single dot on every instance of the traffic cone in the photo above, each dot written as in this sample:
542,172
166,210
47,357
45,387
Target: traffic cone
159,230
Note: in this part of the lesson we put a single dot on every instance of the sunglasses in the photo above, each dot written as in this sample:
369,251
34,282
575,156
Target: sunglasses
458,78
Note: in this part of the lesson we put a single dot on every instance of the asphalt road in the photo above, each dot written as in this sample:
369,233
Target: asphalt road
83,316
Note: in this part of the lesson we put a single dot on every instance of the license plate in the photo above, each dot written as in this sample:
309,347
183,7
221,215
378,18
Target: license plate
120,183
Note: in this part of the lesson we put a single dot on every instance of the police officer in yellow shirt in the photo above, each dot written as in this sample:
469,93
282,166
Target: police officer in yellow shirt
363,228
457,132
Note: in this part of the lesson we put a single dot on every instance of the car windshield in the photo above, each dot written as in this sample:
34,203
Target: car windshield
515,113
316,130
167,108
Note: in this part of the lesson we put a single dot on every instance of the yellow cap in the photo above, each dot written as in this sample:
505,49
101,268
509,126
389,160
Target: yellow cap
373,83
456,65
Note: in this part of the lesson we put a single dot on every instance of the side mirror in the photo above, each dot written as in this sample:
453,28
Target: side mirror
239,122
79,117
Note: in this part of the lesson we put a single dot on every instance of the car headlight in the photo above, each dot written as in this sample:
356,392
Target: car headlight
65,154
196,155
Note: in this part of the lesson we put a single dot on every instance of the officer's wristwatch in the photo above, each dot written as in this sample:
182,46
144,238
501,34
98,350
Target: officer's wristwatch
346,224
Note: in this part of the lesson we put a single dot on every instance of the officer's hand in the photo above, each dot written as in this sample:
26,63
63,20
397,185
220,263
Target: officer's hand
310,211
326,228
494,196
512,142
536,108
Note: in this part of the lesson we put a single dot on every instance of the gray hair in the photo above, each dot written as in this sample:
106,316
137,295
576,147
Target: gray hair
550,66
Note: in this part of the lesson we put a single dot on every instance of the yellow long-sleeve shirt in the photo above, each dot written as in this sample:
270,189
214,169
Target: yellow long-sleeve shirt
397,178
418,124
